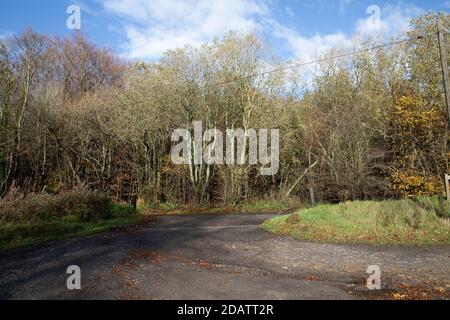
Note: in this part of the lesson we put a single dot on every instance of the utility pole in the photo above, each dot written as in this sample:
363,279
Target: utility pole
444,65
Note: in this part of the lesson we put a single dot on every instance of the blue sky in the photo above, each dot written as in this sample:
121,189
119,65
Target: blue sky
144,29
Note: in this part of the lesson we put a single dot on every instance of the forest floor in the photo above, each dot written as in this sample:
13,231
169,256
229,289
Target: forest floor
220,257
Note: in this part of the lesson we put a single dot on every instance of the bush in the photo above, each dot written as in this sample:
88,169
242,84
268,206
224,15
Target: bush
122,211
75,205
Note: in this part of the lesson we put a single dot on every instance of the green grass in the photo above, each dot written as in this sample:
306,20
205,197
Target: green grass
257,206
403,222
436,204
19,235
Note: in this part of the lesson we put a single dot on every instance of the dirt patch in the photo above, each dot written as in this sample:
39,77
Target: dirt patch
293,219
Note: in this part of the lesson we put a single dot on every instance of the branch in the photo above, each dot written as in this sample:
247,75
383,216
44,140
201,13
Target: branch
300,179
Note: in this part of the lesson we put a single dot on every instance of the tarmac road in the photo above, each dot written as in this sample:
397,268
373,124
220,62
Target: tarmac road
214,257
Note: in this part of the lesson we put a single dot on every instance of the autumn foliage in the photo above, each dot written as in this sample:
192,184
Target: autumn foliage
73,114
415,129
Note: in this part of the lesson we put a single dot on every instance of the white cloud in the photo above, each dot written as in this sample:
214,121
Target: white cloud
306,49
84,7
155,26
394,20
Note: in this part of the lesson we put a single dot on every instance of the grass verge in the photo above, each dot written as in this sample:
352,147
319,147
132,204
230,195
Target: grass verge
15,235
403,222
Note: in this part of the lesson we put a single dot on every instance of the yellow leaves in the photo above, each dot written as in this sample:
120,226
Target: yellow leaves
440,290
415,127
423,291
398,296
410,115
410,184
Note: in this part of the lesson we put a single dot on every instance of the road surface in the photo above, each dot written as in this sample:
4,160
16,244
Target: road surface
216,257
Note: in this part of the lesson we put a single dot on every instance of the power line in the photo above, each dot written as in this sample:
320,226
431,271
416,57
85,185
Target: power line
299,65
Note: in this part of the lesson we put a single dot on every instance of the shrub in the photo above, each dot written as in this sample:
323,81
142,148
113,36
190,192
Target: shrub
122,211
80,205
416,140
410,185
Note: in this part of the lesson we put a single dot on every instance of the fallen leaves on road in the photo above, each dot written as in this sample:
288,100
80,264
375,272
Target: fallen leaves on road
312,277
419,292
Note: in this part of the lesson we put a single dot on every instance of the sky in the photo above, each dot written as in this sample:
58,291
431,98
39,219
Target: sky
145,29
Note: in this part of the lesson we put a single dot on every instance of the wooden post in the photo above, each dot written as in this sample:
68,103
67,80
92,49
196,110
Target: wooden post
299,180
313,197
133,201
447,186
444,65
